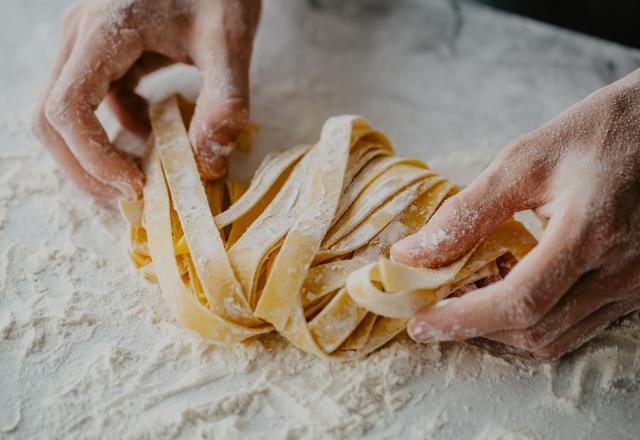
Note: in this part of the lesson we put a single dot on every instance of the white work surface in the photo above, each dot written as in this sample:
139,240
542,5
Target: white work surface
87,348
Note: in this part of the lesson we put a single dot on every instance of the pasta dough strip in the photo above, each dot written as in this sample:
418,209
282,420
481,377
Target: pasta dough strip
375,194
270,170
280,302
203,239
378,219
182,303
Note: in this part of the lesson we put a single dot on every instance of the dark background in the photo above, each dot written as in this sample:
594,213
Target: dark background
615,20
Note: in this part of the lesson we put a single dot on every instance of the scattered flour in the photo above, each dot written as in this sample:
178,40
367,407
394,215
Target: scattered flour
88,350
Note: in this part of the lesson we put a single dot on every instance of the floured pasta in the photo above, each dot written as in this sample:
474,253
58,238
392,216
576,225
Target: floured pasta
303,250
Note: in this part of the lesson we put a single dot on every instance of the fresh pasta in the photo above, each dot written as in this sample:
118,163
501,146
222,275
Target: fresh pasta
303,250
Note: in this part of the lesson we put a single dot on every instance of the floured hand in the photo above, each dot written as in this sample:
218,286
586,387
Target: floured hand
582,171
108,46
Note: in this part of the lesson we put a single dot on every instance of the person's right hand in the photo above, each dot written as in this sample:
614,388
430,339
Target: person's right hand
581,171
108,46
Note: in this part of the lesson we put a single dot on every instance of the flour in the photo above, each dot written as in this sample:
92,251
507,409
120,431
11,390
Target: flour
438,237
88,350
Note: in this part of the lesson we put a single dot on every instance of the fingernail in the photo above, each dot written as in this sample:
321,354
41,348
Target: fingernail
404,250
126,189
212,158
420,331
211,168
215,149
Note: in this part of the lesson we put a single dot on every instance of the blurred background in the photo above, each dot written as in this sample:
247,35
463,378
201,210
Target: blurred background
615,20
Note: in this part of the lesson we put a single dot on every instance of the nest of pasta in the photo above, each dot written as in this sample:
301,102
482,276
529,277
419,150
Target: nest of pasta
303,249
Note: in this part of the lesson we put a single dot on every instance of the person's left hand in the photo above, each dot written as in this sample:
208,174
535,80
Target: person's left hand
581,170
107,46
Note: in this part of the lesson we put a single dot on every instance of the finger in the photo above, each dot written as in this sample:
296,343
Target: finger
510,184
104,55
593,291
47,134
588,328
531,289
131,109
222,108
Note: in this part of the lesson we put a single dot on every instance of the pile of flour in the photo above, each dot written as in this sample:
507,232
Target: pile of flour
88,349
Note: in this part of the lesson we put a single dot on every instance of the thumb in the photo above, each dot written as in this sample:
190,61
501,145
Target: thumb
462,220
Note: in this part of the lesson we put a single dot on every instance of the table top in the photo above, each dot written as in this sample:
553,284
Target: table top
88,350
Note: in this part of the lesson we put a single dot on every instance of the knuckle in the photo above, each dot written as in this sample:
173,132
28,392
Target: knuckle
523,310
530,153
451,205
531,339
38,123
524,166
527,344
56,107
53,110
526,145
459,211
517,146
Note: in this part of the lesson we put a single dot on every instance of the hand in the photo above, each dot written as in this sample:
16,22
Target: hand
108,46
582,171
